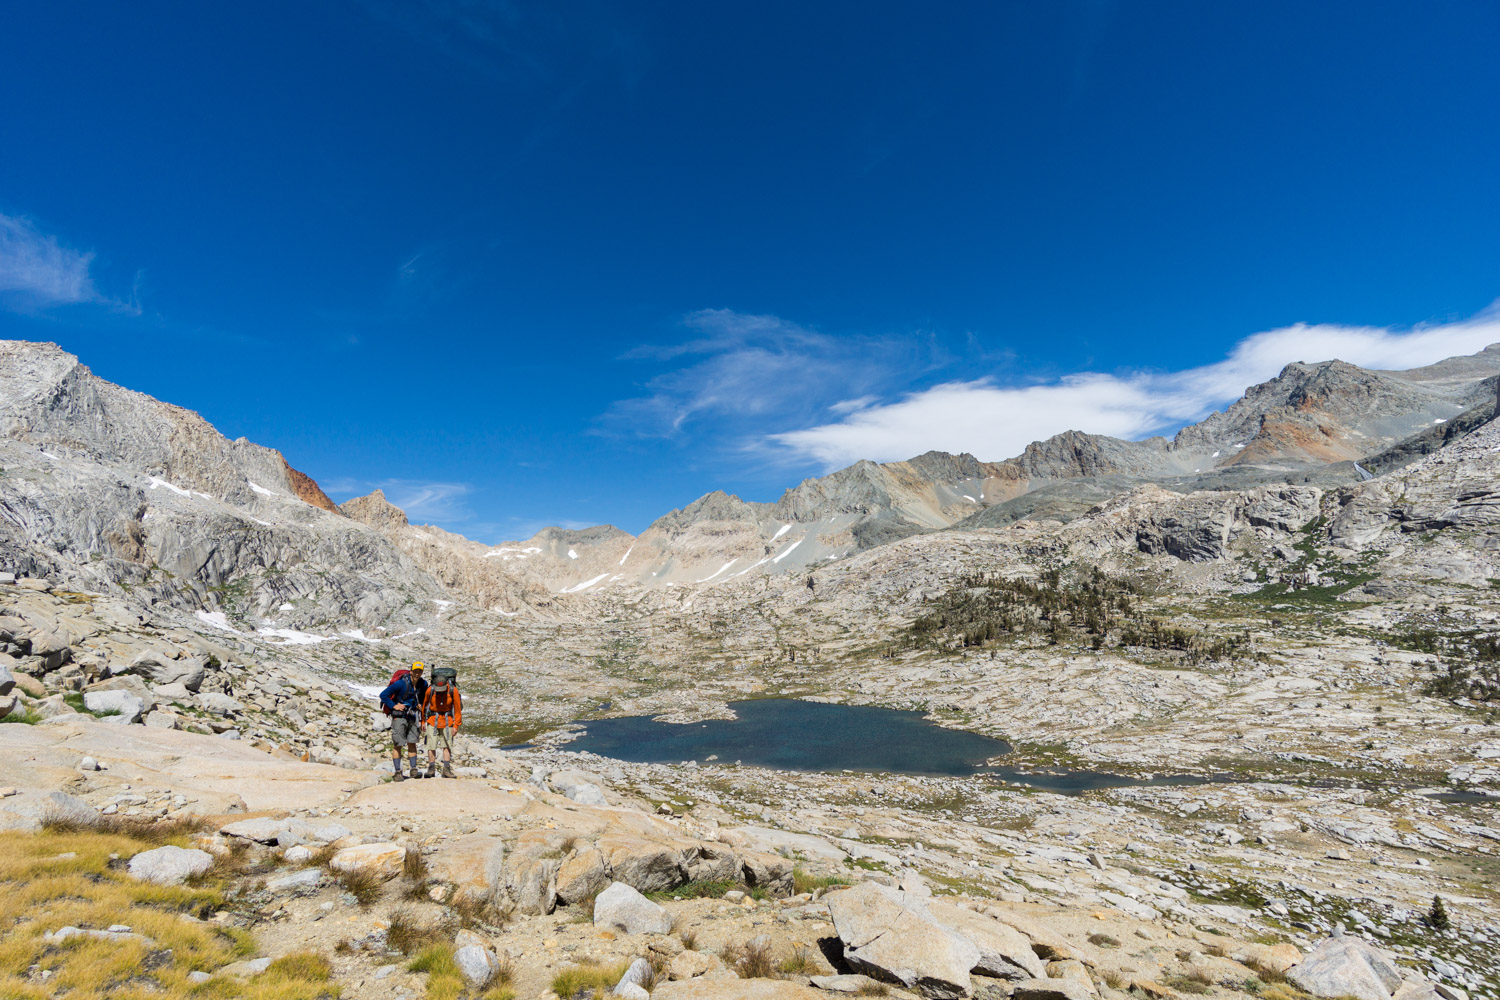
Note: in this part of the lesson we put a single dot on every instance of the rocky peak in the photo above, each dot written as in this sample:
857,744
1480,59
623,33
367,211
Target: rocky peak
373,509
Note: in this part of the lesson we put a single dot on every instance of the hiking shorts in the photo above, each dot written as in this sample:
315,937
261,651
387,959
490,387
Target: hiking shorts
405,729
440,737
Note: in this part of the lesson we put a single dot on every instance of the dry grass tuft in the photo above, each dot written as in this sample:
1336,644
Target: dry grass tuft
407,935
581,982
302,965
751,960
689,939
1266,973
363,884
444,981
479,910
873,990
802,881
800,962
1282,991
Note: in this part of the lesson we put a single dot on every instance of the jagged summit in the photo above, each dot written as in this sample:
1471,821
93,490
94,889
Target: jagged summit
375,510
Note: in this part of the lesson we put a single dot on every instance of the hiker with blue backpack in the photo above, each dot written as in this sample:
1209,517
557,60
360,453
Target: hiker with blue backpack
402,701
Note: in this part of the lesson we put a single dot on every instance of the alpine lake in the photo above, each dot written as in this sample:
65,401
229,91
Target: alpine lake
788,734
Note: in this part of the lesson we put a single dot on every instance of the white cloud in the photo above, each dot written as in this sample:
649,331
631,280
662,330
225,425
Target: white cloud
994,422
36,271
758,369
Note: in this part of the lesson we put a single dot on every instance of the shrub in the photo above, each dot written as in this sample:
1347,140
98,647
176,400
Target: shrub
1437,916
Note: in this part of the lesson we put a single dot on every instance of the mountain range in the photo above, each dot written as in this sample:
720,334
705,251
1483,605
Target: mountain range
116,489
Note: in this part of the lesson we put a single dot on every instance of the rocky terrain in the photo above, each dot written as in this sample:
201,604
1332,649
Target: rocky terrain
1300,636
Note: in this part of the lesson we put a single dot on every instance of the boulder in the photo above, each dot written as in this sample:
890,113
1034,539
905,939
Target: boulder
62,808
124,705
1050,989
768,872
705,988
128,684
8,704
172,692
847,983
646,865
587,795
692,964
620,907
386,860
477,963
1004,952
307,878
219,704
1346,966
262,829
170,865
161,669
531,882
7,681
890,935
51,707
1417,989
582,874
163,720
632,984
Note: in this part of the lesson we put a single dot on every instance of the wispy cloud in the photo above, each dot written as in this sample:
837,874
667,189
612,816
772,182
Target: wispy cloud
757,369
36,271
995,421
422,500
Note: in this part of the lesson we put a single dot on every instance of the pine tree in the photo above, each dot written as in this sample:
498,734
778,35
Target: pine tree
1437,917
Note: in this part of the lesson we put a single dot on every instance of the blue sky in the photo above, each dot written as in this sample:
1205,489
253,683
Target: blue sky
578,263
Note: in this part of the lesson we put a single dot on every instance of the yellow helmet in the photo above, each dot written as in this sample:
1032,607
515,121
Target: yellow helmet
419,665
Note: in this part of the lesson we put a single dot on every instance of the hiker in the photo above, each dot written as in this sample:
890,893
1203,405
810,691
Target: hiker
443,711
399,701
419,684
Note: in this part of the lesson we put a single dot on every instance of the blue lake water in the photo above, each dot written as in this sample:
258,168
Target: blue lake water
809,736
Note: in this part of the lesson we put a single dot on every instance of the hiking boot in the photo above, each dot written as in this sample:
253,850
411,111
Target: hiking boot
398,776
431,771
447,770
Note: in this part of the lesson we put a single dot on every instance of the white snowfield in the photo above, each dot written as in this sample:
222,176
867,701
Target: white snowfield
585,585
572,554
175,489
505,553
719,570
626,555
788,550
257,487
291,637
217,620
781,531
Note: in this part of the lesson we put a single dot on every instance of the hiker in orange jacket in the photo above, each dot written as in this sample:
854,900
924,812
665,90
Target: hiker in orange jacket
443,713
